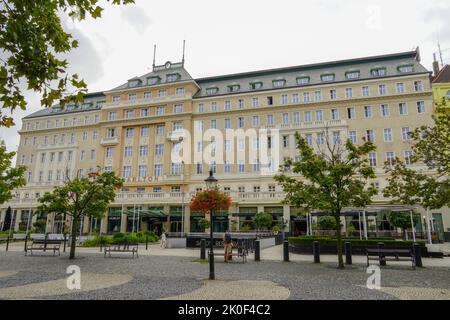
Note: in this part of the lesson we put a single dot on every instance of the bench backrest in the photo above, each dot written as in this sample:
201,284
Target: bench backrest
46,242
19,236
37,236
390,251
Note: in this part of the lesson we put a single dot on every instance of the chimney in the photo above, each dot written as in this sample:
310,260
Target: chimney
435,65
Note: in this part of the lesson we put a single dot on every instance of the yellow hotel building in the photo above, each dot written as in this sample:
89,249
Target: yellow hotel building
133,130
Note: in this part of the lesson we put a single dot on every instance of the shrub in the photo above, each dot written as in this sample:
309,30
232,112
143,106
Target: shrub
354,241
326,223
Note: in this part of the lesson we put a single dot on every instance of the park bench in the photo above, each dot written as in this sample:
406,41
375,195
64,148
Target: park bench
44,245
125,247
3,238
383,255
241,252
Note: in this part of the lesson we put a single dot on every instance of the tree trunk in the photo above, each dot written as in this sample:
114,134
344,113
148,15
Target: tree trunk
73,240
339,240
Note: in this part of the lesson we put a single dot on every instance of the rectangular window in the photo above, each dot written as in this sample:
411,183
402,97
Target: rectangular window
241,103
144,112
372,159
367,112
109,152
295,98
162,93
160,129
418,86
284,99
143,151
352,136
175,169
93,154
241,122
227,124
199,168
408,157
384,108
144,131
179,91
405,134
255,102
157,172
318,96
333,95
420,106
285,118
201,107
306,97
213,106
255,121
286,141
178,108
334,114
390,157
270,120
336,137
227,166
319,115
177,125
126,171
112,116
147,95
382,89
365,91
160,110
349,93
370,135
159,149
129,132
387,133
320,138
351,114
128,152
296,117
227,105
241,166
309,138
400,87
308,116
129,114
403,109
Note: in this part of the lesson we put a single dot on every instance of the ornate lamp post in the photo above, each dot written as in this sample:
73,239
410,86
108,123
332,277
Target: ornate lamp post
211,183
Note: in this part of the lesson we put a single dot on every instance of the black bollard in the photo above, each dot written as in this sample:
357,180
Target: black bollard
45,242
203,249
25,245
380,248
257,250
65,242
316,251
418,255
7,243
348,253
146,242
286,250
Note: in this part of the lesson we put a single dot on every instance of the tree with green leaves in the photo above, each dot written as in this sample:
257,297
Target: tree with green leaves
329,178
403,221
263,220
32,40
415,186
326,223
10,178
81,197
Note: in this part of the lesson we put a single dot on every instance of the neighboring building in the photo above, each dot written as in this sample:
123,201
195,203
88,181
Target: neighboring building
441,84
133,129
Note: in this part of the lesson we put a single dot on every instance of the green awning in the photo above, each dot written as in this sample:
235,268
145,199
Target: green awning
146,213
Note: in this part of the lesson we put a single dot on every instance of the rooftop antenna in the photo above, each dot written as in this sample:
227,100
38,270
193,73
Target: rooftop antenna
440,55
184,47
154,55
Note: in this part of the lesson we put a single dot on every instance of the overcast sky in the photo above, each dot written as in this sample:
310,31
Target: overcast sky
244,35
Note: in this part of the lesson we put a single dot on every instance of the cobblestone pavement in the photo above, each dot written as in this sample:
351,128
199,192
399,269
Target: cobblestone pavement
175,277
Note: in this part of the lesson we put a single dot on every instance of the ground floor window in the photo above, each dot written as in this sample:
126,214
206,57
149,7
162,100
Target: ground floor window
114,220
246,215
195,222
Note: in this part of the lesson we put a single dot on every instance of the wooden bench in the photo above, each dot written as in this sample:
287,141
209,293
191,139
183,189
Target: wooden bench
125,247
241,253
3,238
44,245
383,254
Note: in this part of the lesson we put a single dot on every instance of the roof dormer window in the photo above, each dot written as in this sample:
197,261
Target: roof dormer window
301,81
133,83
172,77
378,72
327,77
406,68
256,85
354,74
153,80
233,88
212,90
278,83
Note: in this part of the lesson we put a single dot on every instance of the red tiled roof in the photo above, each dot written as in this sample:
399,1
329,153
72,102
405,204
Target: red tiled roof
443,76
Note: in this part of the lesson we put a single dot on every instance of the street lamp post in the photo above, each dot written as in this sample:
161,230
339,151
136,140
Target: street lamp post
211,183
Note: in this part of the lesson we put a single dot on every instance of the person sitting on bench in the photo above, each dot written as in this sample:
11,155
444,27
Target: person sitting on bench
228,246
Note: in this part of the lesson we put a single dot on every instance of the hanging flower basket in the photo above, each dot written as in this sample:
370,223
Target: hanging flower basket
210,200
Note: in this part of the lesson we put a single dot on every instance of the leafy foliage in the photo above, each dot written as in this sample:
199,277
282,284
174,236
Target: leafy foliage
10,178
32,40
81,197
432,146
326,223
329,179
263,220
402,220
